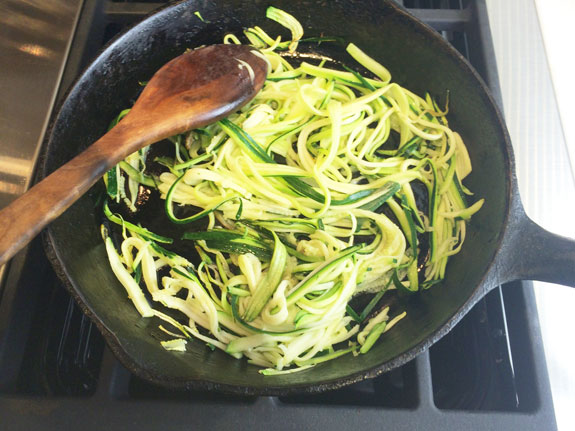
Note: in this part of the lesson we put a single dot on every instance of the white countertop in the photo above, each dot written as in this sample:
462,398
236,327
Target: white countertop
535,62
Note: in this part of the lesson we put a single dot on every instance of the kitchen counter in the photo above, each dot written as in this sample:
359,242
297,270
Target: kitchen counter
529,83
35,36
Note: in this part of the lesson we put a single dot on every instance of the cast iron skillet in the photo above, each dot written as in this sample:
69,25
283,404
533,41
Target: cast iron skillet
502,243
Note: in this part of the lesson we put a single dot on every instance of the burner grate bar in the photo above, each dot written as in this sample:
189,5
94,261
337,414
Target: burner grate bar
424,382
262,414
128,12
444,19
113,380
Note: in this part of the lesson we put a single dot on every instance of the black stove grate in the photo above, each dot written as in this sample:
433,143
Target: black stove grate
488,373
435,4
64,350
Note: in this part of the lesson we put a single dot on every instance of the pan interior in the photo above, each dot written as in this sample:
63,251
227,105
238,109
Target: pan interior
416,59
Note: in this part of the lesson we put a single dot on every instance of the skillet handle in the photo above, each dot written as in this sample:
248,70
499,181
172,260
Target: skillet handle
532,253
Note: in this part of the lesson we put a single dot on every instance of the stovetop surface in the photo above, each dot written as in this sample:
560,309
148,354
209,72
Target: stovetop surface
55,370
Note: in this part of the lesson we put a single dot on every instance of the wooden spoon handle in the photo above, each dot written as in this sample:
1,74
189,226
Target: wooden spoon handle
24,218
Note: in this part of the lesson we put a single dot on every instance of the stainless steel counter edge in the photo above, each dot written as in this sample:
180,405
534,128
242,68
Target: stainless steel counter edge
35,38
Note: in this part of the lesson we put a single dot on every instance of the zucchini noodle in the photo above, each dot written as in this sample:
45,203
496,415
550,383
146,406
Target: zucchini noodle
309,196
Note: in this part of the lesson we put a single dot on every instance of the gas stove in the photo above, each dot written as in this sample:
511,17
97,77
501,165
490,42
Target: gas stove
56,372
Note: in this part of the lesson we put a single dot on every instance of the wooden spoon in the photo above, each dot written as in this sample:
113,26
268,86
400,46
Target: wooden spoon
193,90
